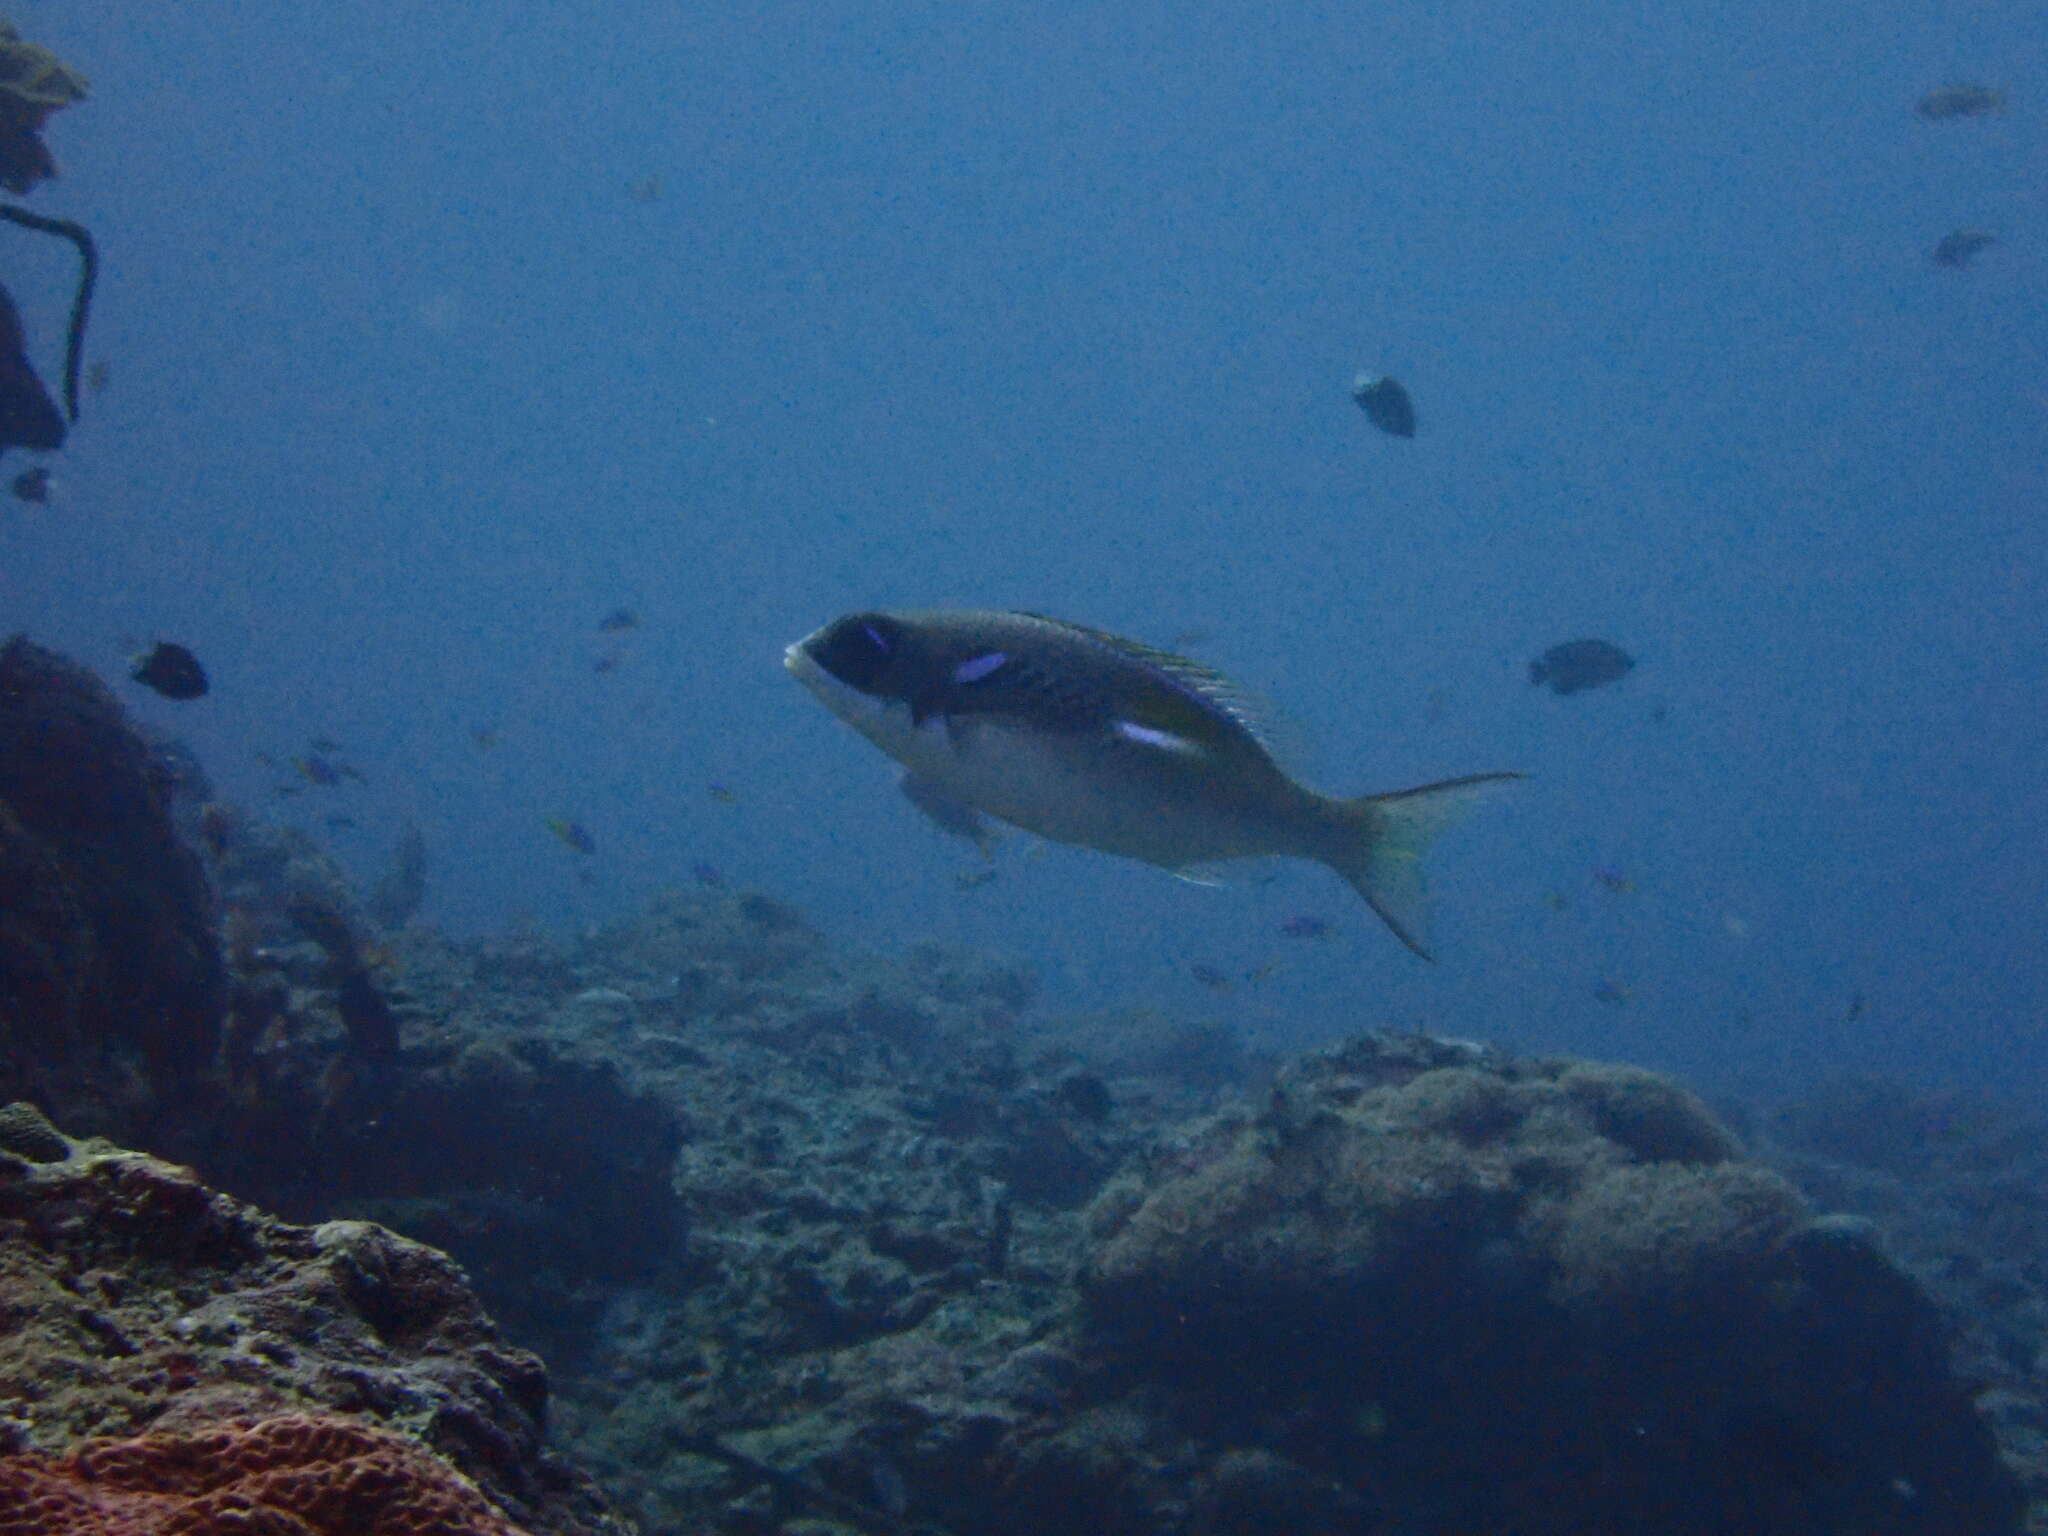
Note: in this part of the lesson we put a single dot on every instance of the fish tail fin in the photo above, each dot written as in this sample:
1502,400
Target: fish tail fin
1382,840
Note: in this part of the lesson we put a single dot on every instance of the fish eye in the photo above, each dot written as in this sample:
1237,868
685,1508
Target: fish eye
858,650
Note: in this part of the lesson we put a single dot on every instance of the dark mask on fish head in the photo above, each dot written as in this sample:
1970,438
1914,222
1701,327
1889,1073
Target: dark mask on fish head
869,652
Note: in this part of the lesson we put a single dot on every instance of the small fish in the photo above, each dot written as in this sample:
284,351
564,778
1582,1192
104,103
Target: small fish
708,875
1306,926
644,189
1556,901
171,670
973,879
722,793
33,485
1084,737
607,663
1210,977
1259,973
1580,664
1959,247
1614,879
572,834
99,375
892,1494
325,744
341,823
1958,101
484,736
618,621
948,814
1608,990
1188,639
315,769
1855,1011
1385,403
219,827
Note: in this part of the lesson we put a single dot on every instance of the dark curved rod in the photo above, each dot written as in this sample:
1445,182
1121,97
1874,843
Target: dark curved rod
89,272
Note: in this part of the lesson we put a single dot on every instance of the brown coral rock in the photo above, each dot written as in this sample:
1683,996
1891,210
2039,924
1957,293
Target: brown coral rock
294,1475
136,1301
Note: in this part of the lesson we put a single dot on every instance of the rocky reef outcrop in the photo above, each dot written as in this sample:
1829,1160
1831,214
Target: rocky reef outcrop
171,1359
1465,1292
818,1240
1957,1183
112,985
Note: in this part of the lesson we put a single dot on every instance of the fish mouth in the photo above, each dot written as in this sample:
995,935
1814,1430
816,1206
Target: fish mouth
798,662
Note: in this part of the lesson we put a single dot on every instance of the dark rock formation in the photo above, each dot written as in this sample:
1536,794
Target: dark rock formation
111,980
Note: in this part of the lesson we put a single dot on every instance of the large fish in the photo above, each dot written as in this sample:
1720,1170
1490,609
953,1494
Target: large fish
1087,738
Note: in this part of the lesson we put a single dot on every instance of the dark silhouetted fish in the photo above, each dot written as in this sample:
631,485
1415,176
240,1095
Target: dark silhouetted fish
1955,101
315,769
571,834
172,671
948,814
1580,664
1959,247
1386,403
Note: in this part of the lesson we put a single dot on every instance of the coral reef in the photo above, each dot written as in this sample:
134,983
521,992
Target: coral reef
34,82
819,1240
111,980
216,1344
294,1475
1537,1296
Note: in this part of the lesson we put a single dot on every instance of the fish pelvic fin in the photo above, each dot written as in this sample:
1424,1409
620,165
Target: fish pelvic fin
1382,839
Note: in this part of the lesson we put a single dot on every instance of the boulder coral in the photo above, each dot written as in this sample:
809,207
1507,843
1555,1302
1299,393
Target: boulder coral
1531,1295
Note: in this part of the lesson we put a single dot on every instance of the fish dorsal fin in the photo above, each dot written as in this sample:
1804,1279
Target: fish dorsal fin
1195,681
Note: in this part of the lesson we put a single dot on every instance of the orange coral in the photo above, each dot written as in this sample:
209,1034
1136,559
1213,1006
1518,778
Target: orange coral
300,1474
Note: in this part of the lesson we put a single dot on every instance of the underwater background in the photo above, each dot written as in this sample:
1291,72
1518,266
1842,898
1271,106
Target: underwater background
431,335
572,1090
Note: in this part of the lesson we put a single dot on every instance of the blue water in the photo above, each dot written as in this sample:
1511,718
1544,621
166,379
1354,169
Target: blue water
1057,306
